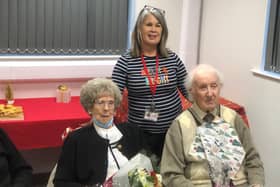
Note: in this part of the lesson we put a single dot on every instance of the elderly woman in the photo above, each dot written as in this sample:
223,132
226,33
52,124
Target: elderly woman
92,154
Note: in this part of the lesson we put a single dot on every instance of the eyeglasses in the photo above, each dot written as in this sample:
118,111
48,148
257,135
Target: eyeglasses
110,104
153,9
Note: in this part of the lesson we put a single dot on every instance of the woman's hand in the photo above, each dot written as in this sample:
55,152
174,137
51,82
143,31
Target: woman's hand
256,185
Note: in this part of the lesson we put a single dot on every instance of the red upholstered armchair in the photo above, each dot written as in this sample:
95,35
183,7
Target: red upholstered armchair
121,114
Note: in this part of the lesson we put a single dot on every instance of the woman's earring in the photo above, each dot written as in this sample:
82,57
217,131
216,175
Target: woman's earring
139,36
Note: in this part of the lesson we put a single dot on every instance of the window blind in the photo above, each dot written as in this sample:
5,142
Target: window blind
272,61
67,27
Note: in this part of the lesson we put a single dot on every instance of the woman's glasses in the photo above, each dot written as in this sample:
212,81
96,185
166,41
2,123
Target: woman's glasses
153,9
102,104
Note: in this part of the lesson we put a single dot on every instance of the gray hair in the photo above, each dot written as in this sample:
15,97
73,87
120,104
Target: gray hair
205,68
136,37
98,87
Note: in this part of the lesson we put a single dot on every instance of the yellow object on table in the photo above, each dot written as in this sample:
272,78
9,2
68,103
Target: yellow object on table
10,112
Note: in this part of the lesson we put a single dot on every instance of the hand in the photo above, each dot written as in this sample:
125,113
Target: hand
256,185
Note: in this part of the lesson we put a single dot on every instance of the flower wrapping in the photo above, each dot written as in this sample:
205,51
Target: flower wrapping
140,177
138,161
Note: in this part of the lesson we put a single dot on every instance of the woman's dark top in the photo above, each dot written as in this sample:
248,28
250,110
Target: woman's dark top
14,170
84,161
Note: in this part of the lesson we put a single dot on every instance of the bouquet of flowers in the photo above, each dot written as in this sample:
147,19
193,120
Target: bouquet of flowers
140,177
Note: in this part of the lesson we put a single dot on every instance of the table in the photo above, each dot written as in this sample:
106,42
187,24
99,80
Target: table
44,122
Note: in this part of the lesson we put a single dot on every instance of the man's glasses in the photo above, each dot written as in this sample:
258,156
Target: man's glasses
153,9
110,104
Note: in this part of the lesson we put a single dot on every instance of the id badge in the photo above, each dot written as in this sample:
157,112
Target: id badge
151,113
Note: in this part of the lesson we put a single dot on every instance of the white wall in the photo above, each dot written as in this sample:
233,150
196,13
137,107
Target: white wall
37,76
232,40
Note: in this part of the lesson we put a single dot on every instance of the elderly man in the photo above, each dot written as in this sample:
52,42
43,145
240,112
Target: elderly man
209,145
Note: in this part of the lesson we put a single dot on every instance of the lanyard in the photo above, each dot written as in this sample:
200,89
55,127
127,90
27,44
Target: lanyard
153,84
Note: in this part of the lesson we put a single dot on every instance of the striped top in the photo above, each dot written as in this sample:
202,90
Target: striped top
129,72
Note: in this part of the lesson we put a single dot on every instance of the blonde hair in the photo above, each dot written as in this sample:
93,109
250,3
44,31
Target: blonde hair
136,34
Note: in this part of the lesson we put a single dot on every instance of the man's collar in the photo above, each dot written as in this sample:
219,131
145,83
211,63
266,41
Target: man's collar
201,113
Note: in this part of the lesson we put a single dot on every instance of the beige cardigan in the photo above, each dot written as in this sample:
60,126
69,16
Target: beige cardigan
179,169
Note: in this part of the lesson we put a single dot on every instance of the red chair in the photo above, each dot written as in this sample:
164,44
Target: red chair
122,111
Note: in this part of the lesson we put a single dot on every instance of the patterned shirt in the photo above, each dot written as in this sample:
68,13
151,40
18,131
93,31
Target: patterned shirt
129,72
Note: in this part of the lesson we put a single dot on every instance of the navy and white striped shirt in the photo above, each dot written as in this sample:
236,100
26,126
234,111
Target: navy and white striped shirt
129,72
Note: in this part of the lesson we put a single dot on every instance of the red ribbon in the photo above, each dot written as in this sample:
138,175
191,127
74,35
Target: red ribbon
153,84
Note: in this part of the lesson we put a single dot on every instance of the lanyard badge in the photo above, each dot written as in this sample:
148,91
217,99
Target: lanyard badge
151,113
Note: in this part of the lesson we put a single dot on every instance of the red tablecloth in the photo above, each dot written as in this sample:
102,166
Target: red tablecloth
44,122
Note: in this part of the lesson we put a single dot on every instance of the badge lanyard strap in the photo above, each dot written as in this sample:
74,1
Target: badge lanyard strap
153,85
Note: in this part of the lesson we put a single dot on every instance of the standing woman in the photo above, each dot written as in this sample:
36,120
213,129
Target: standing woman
152,75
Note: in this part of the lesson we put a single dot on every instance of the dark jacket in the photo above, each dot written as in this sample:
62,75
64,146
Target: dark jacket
84,155
14,170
